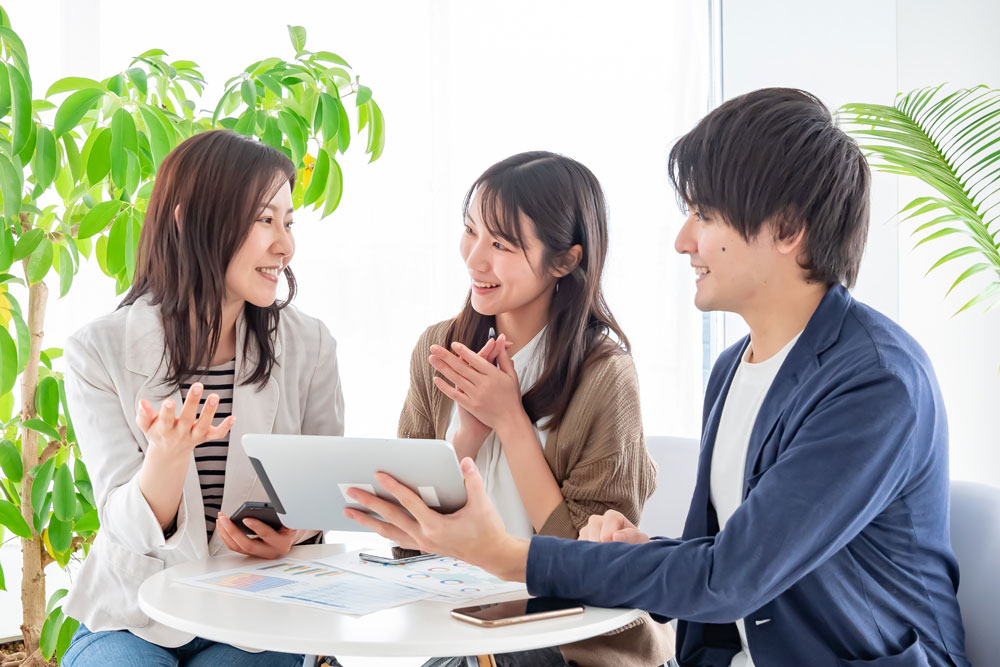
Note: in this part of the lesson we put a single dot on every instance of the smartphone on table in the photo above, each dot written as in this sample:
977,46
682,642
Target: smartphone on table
384,556
263,512
516,611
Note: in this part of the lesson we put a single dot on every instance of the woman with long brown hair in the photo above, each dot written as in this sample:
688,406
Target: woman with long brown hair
549,405
202,334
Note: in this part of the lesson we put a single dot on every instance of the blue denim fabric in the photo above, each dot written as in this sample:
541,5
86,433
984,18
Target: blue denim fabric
120,648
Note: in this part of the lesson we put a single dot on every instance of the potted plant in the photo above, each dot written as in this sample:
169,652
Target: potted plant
77,167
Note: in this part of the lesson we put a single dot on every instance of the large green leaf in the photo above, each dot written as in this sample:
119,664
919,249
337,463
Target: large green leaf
45,158
64,495
11,184
98,157
124,140
97,218
10,461
74,108
39,262
8,361
6,248
40,487
317,182
950,141
69,83
20,94
298,36
39,426
60,534
10,517
4,91
47,400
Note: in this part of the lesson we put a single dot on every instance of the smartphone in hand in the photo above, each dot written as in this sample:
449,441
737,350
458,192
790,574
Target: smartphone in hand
263,512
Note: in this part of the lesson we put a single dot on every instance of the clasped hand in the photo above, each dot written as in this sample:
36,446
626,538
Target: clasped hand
612,526
486,392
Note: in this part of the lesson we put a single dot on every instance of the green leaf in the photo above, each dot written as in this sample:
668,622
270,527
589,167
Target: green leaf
291,128
137,76
124,140
47,400
10,461
331,117
10,184
21,111
376,134
6,248
66,271
248,91
29,146
298,36
98,157
60,533
8,362
40,487
39,262
152,53
97,218
364,94
4,91
27,243
74,108
317,183
344,135
10,517
116,84
334,188
39,426
45,158
54,599
50,628
132,232
159,135
63,496
87,523
326,56
66,632
83,481
116,244
69,83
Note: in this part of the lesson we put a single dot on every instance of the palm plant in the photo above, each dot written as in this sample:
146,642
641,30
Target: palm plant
950,141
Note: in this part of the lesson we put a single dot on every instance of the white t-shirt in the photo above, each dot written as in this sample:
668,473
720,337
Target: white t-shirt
491,459
729,456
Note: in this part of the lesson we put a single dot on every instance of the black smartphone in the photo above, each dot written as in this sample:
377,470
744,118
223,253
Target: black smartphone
516,611
263,512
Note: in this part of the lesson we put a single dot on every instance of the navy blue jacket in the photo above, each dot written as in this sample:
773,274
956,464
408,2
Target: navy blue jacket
839,554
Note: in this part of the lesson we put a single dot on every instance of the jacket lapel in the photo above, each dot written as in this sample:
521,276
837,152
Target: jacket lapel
822,331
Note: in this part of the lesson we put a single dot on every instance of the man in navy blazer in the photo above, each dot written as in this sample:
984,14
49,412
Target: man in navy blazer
818,531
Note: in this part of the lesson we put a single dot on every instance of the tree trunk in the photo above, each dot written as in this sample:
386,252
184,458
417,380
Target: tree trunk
32,551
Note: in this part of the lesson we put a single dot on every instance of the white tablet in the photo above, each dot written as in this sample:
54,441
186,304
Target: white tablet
307,476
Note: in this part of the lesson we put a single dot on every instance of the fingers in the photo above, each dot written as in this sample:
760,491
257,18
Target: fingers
630,535
218,432
191,403
471,358
613,522
413,503
145,416
505,362
475,490
592,531
460,377
388,511
234,538
201,428
386,530
167,417
449,391
488,349
446,359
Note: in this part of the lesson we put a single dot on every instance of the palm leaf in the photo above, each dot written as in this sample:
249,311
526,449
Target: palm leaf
950,141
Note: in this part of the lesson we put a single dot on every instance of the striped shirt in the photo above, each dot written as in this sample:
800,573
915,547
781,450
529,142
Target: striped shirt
210,457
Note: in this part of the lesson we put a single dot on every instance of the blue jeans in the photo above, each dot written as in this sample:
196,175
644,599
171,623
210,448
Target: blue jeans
120,648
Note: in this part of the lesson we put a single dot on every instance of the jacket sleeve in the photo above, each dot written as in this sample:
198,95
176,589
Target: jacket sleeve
324,412
113,456
849,459
613,469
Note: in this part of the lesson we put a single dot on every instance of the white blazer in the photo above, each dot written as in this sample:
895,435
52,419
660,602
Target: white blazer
117,360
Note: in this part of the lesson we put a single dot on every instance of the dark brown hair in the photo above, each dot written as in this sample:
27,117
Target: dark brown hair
218,182
775,155
566,204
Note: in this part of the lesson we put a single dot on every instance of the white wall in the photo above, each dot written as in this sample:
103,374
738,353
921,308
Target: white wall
864,50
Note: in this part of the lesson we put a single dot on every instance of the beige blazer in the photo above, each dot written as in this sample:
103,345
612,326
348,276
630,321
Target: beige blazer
114,362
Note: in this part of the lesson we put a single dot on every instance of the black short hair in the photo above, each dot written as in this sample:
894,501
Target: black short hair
775,155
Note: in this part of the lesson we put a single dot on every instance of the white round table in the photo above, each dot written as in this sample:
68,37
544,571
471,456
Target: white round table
417,629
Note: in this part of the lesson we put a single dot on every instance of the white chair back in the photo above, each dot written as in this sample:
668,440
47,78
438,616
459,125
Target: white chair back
677,458
975,538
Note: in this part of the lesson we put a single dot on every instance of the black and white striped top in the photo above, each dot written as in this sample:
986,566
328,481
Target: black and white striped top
210,457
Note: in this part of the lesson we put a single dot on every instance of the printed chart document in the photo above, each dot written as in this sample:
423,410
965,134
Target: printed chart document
447,578
311,584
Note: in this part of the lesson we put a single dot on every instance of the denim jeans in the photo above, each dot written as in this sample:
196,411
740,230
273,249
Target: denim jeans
120,648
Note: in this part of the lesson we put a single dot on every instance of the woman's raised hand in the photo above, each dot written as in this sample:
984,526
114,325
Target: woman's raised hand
486,392
177,435
472,432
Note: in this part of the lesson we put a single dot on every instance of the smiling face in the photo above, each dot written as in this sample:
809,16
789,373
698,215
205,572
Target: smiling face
731,274
505,279
252,274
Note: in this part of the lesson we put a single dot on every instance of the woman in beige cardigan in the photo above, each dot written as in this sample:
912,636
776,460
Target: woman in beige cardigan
549,408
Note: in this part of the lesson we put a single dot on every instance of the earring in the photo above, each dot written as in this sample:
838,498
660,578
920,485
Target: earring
557,285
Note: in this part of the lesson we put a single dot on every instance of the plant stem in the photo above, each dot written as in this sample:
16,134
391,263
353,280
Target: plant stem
32,550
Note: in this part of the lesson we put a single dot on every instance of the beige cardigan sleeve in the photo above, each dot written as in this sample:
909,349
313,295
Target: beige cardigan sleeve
417,417
600,457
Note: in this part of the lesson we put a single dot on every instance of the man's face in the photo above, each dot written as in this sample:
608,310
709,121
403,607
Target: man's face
732,275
